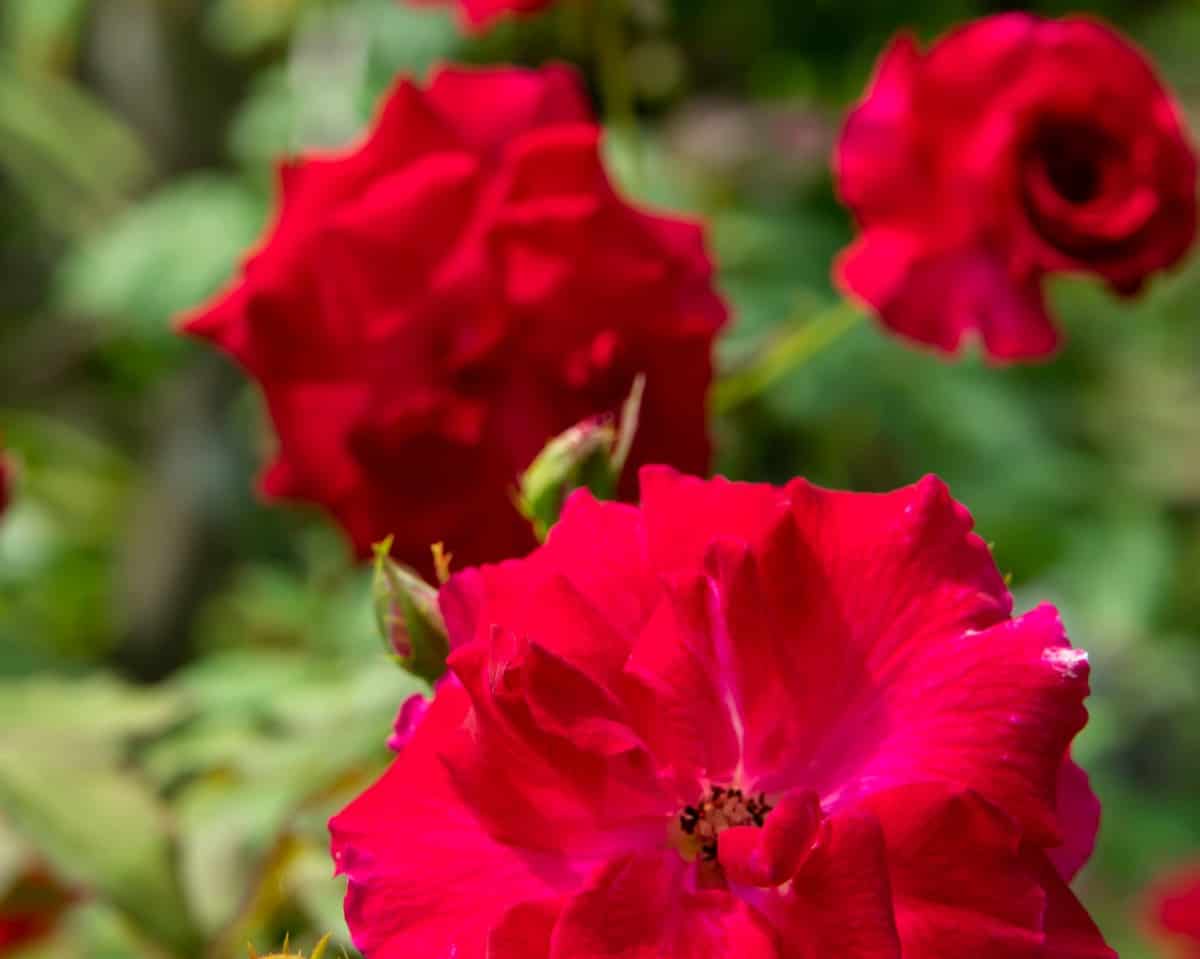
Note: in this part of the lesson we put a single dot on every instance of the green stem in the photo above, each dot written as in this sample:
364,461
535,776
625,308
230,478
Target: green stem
573,29
616,85
785,355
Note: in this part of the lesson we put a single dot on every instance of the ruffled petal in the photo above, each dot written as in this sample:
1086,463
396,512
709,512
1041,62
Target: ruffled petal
425,878
771,855
959,884
920,675
988,710
490,107
525,931
1069,930
684,514
547,737
964,883
840,902
640,908
1078,820
585,595
677,695
943,297
877,164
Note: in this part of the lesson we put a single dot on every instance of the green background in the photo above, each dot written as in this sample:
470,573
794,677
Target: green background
190,681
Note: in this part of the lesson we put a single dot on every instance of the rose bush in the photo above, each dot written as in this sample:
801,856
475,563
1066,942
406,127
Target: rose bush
1013,148
430,307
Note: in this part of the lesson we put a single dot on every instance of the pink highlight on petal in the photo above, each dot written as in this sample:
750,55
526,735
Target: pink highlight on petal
407,720
1078,820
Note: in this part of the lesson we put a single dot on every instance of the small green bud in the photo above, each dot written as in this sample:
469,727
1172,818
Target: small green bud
578,457
591,454
406,610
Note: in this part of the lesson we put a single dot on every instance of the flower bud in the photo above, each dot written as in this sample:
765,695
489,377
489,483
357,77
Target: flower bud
406,609
591,454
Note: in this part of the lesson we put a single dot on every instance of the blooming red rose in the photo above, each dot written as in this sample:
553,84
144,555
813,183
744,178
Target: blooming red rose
738,721
479,14
433,306
1175,910
1012,148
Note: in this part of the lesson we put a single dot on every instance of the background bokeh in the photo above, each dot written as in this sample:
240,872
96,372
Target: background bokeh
190,681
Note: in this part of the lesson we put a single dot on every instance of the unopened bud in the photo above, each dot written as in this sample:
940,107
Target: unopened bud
590,455
579,457
406,610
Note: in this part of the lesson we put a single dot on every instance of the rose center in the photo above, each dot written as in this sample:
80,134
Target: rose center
720,809
1072,156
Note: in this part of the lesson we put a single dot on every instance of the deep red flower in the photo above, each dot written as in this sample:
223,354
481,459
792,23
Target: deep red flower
1014,147
1175,909
480,14
433,306
738,721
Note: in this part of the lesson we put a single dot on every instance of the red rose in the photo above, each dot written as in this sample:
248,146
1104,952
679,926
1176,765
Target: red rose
479,14
1175,910
735,722
431,307
1012,148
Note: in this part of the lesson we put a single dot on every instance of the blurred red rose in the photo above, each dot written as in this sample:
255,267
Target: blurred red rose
1175,909
1013,147
30,908
433,306
479,14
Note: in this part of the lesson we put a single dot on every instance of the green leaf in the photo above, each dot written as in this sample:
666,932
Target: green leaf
276,736
67,790
244,27
99,826
165,255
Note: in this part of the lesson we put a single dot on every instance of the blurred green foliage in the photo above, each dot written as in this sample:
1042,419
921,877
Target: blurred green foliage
190,681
